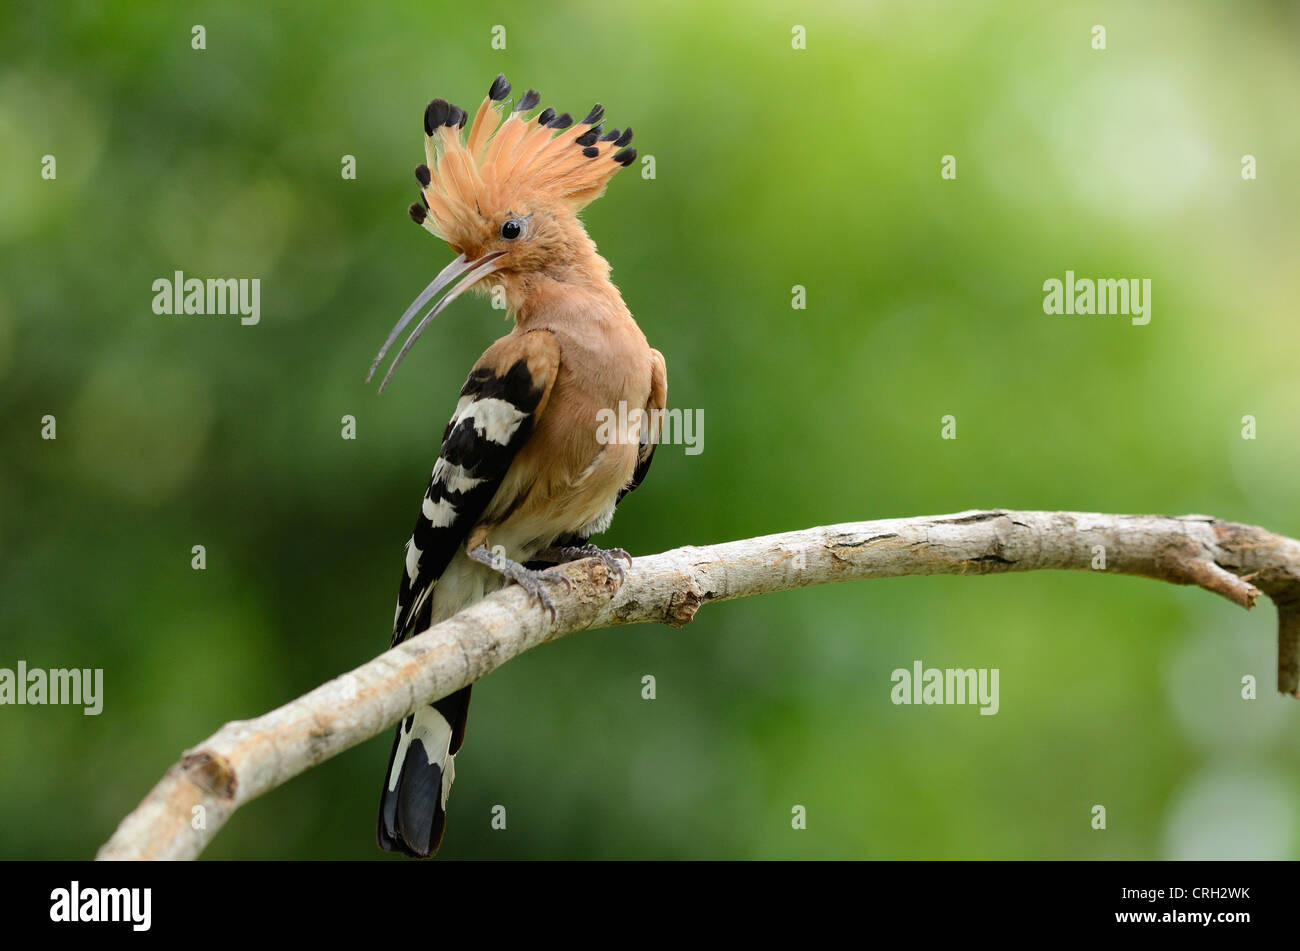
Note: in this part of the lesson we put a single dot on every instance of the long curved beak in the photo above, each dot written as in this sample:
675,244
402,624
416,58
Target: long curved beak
469,272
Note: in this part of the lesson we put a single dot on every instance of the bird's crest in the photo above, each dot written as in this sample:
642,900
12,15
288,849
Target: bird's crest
505,158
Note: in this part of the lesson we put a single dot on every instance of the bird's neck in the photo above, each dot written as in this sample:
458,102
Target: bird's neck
580,289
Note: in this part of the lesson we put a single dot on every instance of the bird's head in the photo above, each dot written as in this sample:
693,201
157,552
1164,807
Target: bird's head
505,196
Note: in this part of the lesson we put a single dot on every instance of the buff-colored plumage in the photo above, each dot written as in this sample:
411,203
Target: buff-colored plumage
526,468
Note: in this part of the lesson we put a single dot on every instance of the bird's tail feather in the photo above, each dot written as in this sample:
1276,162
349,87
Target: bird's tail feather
421,768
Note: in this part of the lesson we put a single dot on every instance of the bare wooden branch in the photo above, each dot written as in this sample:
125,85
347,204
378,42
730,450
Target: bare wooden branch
245,759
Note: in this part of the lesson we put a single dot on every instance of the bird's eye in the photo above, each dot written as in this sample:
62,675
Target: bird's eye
511,229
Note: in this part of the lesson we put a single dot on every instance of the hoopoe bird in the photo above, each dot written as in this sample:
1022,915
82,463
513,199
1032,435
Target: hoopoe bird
524,474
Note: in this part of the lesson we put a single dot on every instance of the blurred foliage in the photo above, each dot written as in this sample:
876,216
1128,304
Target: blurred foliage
775,167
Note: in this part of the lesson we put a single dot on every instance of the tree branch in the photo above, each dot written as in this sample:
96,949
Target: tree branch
245,759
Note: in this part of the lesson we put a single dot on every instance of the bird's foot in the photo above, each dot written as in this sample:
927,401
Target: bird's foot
608,557
534,582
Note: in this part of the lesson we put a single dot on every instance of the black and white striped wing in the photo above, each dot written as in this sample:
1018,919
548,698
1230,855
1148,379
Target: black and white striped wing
497,411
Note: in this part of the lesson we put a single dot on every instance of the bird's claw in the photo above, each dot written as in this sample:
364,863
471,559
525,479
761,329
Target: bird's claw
607,556
554,575
534,582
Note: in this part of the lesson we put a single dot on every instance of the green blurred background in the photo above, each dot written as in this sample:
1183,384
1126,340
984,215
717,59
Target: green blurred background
774,167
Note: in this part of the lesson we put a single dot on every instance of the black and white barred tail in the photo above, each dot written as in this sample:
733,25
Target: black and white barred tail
421,769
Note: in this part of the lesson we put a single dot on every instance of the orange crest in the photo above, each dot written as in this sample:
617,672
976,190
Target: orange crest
505,161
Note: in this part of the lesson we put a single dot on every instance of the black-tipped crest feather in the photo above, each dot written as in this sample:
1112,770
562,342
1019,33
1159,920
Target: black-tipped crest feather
435,114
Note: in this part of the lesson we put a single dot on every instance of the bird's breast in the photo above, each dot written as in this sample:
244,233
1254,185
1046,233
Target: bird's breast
583,450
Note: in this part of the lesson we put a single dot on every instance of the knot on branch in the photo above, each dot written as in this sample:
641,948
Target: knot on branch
211,772
683,604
